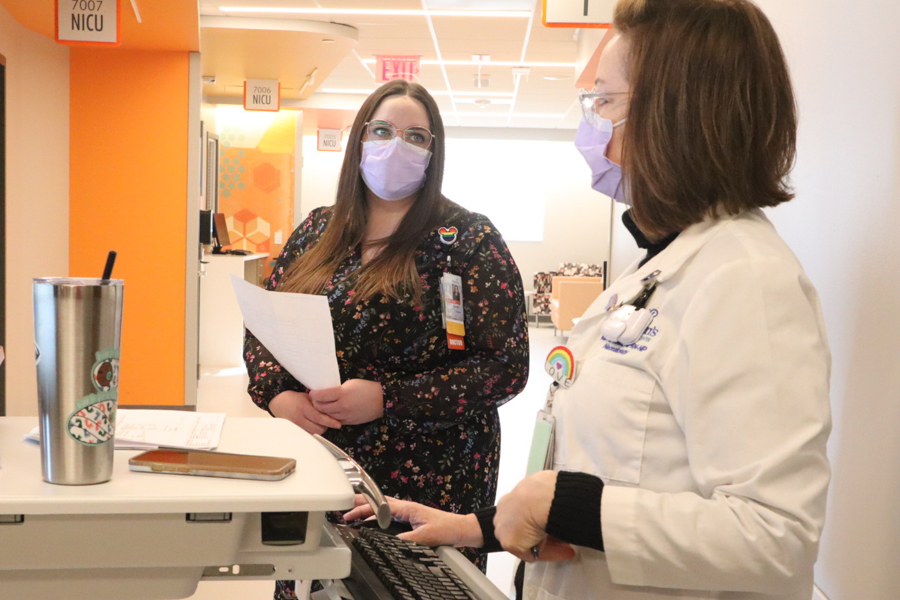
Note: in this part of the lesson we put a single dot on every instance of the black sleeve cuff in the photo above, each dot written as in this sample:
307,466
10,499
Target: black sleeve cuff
575,511
485,518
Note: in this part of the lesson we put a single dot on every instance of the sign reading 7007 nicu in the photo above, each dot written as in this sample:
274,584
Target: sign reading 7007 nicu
88,21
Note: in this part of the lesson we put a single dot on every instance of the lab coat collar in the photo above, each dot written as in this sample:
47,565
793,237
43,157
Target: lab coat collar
668,262
683,248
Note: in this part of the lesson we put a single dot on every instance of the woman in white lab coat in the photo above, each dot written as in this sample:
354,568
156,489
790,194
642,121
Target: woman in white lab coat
690,456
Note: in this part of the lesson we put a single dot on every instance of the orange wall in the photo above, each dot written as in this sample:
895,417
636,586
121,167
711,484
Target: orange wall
128,186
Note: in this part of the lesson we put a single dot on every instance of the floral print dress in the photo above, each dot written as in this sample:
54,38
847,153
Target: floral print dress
438,442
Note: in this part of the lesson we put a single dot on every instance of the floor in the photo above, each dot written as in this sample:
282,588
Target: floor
225,391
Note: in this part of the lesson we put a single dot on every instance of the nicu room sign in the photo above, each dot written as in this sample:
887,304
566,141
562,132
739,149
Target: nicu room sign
262,94
88,22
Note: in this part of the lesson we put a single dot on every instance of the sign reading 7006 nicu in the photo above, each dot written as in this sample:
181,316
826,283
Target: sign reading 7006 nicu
88,21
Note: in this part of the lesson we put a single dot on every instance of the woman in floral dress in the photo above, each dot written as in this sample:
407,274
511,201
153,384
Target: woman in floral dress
419,415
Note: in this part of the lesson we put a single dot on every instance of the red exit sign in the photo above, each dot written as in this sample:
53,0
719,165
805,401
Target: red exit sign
388,68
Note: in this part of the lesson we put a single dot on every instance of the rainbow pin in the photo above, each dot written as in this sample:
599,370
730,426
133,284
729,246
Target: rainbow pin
561,366
448,234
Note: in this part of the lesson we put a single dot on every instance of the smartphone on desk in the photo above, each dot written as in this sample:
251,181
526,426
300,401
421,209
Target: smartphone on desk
213,464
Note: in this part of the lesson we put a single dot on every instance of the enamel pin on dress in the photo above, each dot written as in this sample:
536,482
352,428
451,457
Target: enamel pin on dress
448,234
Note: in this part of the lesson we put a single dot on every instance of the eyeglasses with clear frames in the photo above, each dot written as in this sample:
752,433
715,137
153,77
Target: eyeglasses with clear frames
591,102
385,131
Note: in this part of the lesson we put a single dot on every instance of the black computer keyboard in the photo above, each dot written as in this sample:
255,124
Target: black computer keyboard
386,567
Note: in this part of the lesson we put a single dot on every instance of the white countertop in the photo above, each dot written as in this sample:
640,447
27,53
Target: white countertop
318,484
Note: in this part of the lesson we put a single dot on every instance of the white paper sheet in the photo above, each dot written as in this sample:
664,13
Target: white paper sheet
141,429
295,328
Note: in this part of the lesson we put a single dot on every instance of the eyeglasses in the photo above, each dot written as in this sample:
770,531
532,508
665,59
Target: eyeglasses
592,102
384,131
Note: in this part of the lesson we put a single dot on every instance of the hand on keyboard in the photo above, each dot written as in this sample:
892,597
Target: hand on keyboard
407,570
430,526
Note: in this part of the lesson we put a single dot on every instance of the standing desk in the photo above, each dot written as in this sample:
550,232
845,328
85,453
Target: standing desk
149,536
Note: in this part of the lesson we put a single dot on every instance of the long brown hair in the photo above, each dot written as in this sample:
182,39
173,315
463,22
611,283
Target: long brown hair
393,271
712,121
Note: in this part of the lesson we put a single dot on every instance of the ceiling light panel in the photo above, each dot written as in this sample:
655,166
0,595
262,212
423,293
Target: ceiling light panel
460,49
364,4
371,47
551,51
345,12
480,4
470,28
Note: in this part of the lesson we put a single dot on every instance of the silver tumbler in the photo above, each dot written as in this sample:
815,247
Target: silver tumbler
77,334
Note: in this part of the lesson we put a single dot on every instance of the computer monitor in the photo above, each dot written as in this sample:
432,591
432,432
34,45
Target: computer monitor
220,232
206,227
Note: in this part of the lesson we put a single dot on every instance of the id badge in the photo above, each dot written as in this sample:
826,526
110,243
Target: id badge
540,457
452,310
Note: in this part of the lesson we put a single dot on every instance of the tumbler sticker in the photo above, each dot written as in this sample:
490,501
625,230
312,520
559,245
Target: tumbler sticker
37,354
94,419
105,373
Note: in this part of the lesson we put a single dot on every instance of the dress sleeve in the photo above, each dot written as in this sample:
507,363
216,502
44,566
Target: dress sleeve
494,365
748,385
267,377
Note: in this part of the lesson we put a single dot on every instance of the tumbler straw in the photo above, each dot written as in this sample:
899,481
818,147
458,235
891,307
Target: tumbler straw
110,261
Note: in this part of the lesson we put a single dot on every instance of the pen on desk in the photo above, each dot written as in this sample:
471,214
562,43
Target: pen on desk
110,261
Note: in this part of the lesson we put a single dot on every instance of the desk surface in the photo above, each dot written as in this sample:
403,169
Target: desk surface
319,483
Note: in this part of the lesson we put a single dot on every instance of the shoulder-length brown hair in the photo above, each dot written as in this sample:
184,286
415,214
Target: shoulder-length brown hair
393,271
712,120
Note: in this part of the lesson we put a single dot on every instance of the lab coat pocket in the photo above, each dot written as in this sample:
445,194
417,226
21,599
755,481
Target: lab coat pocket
605,420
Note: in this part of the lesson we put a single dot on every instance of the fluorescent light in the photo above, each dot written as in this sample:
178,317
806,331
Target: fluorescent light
496,63
392,12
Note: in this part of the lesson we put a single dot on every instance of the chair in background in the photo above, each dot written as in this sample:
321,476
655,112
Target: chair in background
570,297
540,302
542,298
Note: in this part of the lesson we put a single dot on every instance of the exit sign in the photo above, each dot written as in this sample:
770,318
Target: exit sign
388,68
578,13
88,22
262,94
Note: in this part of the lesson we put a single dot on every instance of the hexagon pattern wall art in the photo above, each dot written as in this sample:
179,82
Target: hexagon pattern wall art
249,231
256,178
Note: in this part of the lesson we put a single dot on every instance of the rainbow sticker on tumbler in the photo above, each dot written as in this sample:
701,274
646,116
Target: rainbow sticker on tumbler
448,234
561,366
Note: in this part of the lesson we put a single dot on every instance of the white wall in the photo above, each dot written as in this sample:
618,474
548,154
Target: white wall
576,219
844,226
37,191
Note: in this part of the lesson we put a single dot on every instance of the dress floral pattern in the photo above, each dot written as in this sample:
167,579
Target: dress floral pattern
438,442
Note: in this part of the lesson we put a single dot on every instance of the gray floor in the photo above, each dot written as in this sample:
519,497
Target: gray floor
226,391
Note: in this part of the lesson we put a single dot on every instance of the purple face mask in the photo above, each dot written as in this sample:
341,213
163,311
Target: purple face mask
394,170
592,140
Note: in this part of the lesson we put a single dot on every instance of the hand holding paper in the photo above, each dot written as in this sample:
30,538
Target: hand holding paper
295,328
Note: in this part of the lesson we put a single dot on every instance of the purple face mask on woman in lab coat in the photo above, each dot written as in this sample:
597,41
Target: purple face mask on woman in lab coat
592,140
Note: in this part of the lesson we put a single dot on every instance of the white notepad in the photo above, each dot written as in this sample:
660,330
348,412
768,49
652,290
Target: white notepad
141,429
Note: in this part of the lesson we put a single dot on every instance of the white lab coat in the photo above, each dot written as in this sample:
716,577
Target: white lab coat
709,433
